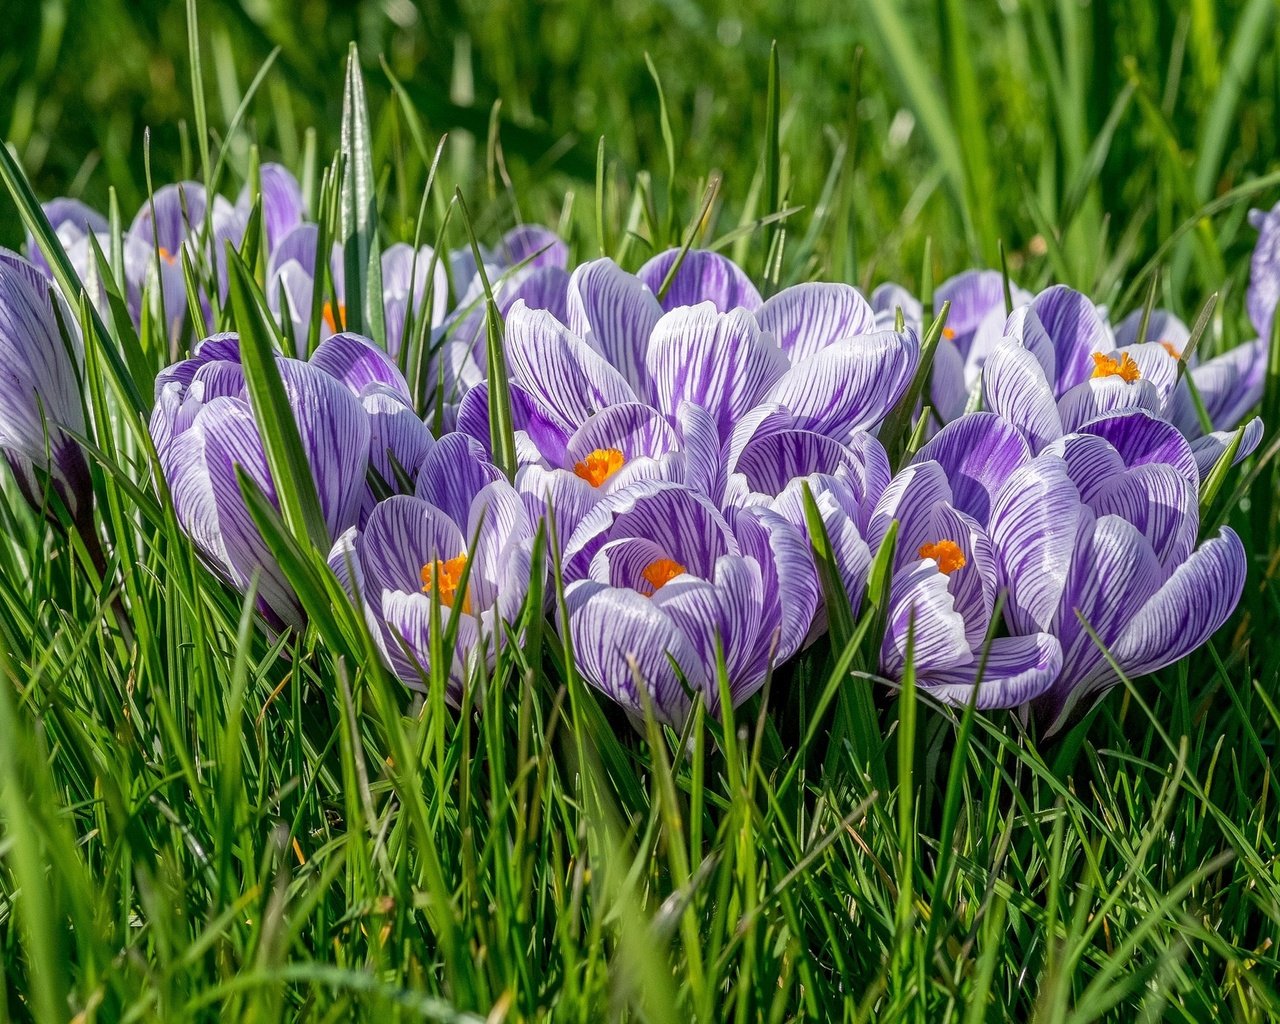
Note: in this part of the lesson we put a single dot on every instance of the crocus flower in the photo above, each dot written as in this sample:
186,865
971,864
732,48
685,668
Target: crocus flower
71,221
1263,294
40,405
291,285
344,401
405,290
810,355
464,520
1099,530
1059,368
658,583
282,206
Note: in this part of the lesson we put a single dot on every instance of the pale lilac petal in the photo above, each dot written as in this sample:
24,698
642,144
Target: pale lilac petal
806,318
771,462
888,298
720,361
974,296
1229,386
1161,504
616,312
1105,396
170,215
397,435
703,277
948,382
1209,449
790,581
403,535
557,492
1163,329
1014,387
282,206
541,246
1263,293
633,429
922,612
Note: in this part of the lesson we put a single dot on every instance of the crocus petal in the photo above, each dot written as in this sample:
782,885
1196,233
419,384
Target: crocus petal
979,452
1077,330
771,462
974,295
1017,669
454,471
703,277
1229,386
791,591
282,206
1015,387
1163,328
850,385
806,318
404,534
356,362
171,214
1160,503
634,429
1104,396
540,246
1141,438
948,385
1209,449
616,312
1263,294
720,361
397,435
922,614
888,298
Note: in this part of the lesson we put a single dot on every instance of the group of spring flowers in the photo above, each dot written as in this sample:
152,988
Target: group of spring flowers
679,431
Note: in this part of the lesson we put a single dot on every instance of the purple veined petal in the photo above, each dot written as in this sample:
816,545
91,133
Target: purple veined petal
1113,573
500,523
171,214
403,535
215,348
1014,387
1156,364
1141,438
623,562
684,524
979,452
618,635
911,498
948,382
1160,502
1209,449
356,362
398,439
1263,293
1106,396
201,473
541,246
703,277
633,429
986,336
1191,606
1090,461
728,611
1229,385
720,361
1077,330
335,436
616,312
850,385
406,640
1017,670
790,582
1163,329
806,318
974,584
974,295
300,245
771,462
869,453
704,466
888,298
557,492
1035,525
561,373
922,611
765,419
453,473
282,206
289,294
545,288
1025,328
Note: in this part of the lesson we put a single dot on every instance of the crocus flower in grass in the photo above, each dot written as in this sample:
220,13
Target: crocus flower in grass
462,542
282,205
71,221
658,583
1059,368
808,361
1099,530
40,404
1263,294
351,407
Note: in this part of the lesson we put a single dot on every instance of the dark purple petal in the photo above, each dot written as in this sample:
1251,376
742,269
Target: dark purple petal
806,318
703,277
1141,438
979,452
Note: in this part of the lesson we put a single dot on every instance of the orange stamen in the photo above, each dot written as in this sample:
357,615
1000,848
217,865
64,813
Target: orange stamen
336,323
949,333
443,577
601,464
1109,366
661,572
946,553
1172,349
167,256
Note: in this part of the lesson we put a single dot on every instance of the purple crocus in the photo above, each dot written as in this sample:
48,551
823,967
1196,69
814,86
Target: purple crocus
40,404
1059,368
282,205
351,408
71,221
1099,531
461,546
659,584
406,290
1263,294
808,360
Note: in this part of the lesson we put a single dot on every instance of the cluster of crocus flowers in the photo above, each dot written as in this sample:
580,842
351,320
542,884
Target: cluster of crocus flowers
672,426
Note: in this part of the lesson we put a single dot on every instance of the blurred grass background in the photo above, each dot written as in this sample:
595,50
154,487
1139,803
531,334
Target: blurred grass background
1078,134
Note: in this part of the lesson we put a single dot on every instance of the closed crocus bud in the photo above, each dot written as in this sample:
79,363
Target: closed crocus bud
40,406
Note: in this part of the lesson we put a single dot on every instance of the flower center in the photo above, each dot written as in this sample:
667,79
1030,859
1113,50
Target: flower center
946,553
661,572
337,322
1172,349
1109,366
443,578
169,257
601,464
949,333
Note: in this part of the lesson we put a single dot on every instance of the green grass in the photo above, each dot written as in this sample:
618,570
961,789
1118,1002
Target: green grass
200,823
